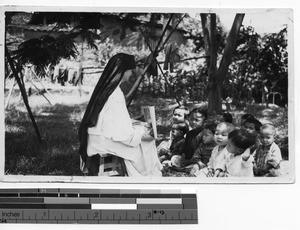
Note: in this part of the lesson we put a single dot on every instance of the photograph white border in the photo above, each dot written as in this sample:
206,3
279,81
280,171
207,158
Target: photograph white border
219,205
176,180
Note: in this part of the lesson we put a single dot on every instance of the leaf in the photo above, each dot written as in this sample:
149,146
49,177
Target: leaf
44,51
116,32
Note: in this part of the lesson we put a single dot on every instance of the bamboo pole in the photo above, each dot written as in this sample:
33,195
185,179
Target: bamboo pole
23,93
39,91
34,74
9,94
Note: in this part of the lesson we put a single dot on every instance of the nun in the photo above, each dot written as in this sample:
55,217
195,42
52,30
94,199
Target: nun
106,126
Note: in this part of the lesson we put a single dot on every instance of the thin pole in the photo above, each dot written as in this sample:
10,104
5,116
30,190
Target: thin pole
23,93
9,94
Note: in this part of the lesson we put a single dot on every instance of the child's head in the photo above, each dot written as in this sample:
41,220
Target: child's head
245,117
209,132
180,114
221,133
252,126
239,140
267,134
179,129
224,117
197,118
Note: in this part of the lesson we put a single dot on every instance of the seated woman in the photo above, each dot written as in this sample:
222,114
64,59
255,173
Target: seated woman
107,128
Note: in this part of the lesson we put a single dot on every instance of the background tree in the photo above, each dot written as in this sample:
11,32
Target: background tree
273,65
217,74
258,69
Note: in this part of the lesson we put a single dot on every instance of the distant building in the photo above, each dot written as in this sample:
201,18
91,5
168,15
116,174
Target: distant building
106,25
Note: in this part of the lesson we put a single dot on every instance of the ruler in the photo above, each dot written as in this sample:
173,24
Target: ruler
97,206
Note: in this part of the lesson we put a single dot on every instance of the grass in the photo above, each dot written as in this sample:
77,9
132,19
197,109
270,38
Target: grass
59,122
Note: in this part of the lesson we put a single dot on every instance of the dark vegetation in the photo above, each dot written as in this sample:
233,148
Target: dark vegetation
256,81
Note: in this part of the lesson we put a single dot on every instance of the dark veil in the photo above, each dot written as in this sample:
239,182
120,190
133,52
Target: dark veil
106,85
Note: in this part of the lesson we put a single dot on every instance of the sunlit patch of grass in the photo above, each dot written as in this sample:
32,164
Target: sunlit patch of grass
58,153
59,123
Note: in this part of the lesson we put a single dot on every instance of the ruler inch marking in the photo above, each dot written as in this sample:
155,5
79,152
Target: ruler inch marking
10,214
69,206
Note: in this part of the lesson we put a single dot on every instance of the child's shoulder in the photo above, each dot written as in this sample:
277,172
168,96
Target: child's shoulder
209,145
274,147
216,149
179,140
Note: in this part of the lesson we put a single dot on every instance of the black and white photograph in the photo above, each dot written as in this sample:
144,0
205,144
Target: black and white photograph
147,95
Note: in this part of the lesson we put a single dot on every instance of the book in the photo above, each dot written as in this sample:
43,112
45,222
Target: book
149,115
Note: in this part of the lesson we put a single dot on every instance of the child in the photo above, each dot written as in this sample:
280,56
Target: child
224,117
197,119
267,156
193,138
180,114
252,126
245,117
203,152
167,149
219,152
239,161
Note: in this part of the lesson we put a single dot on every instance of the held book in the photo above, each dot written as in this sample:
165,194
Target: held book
149,115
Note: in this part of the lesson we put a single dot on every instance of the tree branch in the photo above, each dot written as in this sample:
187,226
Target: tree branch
230,46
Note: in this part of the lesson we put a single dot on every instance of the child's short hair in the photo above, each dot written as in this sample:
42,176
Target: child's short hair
201,111
246,116
268,126
257,123
241,138
229,127
227,117
185,109
211,126
182,126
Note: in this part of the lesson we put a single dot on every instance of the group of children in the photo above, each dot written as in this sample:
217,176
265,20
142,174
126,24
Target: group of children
215,147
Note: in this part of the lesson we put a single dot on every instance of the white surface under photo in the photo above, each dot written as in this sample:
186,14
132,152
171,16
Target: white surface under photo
103,95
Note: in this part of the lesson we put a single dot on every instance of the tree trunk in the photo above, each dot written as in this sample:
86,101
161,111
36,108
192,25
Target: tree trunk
216,75
214,99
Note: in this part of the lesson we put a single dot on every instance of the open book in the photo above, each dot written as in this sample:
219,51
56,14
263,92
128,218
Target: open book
149,115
